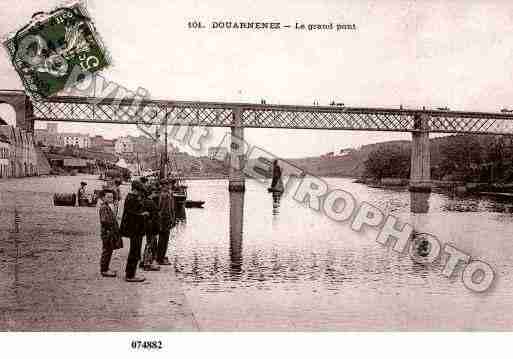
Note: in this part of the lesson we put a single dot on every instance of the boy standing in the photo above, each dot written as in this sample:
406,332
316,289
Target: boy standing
111,238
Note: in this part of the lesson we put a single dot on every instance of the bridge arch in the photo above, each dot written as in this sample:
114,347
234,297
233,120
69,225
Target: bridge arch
7,114
23,110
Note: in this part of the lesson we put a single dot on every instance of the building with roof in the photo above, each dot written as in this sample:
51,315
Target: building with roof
51,137
48,136
79,140
131,144
98,143
124,145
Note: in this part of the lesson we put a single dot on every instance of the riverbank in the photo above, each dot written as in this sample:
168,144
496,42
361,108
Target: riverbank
206,177
50,270
457,186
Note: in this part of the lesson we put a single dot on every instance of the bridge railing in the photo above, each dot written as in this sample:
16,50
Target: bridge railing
220,114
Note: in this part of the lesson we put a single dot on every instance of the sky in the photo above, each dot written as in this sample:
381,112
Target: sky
416,53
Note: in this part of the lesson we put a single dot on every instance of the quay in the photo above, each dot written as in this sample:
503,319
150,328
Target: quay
49,268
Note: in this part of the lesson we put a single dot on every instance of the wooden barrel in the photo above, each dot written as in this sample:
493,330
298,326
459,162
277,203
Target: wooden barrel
64,199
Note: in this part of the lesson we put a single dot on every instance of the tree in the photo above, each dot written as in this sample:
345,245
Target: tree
459,156
388,160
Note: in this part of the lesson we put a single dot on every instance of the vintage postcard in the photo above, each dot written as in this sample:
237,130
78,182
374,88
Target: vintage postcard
252,166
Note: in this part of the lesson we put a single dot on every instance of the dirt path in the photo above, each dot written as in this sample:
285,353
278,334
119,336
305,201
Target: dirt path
50,275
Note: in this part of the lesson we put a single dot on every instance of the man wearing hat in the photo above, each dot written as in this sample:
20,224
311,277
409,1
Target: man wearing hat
167,221
111,238
82,196
151,205
133,227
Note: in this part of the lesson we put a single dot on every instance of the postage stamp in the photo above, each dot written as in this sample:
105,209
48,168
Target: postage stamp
45,51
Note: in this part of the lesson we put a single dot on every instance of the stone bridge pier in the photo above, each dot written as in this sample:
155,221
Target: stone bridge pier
236,182
420,172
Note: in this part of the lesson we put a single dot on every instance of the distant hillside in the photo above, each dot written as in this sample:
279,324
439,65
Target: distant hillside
455,156
349,165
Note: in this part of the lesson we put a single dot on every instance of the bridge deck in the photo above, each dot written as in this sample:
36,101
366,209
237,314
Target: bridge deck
220,114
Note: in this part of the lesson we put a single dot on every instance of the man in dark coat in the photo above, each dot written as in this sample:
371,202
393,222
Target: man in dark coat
133,227
111,238
151,205
167,221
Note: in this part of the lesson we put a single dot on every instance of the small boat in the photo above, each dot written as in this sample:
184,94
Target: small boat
194,204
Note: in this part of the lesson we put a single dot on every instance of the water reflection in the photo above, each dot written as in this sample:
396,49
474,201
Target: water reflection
236,220
474,203
322,267
180,212
419,202
276,203
455,204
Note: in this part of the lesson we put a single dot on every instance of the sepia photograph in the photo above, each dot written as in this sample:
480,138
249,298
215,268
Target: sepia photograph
257,167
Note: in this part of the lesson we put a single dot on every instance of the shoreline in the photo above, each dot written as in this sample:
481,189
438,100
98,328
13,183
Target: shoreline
459,187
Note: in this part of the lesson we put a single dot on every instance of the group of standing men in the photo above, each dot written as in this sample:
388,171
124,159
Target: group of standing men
148,211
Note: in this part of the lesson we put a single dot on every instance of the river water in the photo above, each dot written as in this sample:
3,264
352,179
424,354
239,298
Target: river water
287,267
283,266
